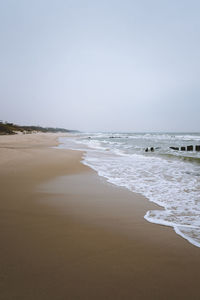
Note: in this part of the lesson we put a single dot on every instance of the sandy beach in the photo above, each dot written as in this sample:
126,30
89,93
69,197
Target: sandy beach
68,234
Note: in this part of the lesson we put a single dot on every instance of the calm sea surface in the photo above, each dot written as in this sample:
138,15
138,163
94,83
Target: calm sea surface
167,177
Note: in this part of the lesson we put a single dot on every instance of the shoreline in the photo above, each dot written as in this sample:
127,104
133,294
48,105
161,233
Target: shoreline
158,204
68,234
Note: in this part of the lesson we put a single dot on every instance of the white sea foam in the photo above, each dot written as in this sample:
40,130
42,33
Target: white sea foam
171,183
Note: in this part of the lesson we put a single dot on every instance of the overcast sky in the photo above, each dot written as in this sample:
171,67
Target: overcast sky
101,65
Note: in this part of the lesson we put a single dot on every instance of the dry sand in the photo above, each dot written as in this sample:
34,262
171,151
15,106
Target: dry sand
65,233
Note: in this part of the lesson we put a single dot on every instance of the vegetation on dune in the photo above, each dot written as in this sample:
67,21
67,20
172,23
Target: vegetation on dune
10,128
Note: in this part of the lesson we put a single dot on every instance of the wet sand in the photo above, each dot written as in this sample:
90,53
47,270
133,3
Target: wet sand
68,234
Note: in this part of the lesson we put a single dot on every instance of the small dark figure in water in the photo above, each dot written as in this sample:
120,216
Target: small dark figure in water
146,150
152,149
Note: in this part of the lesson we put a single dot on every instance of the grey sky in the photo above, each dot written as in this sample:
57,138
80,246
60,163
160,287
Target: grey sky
101,65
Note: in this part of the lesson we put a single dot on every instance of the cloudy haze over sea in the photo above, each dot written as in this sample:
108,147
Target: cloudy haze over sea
101,65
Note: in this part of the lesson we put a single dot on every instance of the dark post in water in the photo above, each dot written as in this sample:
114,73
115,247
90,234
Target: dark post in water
197,148
190,148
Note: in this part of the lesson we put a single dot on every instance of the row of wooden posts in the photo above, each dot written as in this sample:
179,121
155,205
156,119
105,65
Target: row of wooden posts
183,148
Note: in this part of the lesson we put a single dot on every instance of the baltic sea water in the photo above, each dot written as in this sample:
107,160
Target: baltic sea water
170,178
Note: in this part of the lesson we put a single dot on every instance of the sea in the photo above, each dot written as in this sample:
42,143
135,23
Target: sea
165,176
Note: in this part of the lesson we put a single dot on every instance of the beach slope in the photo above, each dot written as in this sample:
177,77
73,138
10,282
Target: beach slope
68,234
